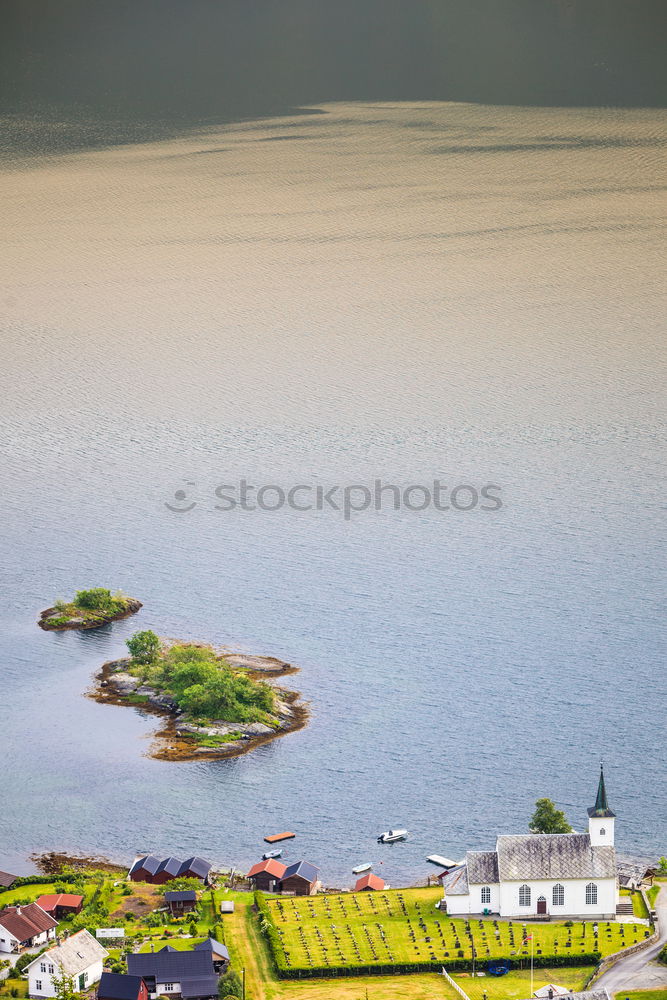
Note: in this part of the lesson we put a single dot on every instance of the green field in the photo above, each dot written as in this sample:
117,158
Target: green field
401,927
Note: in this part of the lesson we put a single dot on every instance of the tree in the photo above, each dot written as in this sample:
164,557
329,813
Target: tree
192,929
229,985
97,599
548,819
662,867
143,646
65,987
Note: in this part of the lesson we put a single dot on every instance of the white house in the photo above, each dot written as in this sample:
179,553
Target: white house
79,956
25,927
559,874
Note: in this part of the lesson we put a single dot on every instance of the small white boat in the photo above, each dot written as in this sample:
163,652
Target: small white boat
391,836
268,855
361,868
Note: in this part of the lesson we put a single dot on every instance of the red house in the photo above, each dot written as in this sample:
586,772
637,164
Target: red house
369,882
265,875
148,868
301,878
59,904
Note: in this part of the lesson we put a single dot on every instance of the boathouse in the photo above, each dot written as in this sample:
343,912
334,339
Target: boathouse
266,875
301,878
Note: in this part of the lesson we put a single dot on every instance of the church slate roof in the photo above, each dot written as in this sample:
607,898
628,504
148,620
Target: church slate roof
455,882
553,855
482,867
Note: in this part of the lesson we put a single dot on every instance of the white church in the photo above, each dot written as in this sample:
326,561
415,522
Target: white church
568,875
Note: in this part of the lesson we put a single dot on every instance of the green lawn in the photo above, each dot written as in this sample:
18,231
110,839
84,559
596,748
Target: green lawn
516,984
652,893
402,926
29,892
641,995
638,906
180,944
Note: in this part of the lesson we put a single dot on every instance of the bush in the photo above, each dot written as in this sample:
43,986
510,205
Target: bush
229,985
98,599
143,646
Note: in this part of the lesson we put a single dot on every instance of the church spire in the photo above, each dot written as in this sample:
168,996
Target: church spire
601,807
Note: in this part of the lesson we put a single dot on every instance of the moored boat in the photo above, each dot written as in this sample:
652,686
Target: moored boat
391,836
361,868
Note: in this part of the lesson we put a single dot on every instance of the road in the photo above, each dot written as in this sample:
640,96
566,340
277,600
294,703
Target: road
622,976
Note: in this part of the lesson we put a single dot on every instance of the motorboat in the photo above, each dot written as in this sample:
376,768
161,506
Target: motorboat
361,868
391,836
271,854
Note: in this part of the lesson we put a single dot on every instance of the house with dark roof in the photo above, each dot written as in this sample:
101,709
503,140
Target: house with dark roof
116,986
60,904
7,880
188,974
158,871
562,875
180,902
301,878
24,927
218,952
266,875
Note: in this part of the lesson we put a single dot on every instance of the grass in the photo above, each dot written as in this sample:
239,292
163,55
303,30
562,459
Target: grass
638,905
641,995
652,893
180,944
402,926
29,892
216,741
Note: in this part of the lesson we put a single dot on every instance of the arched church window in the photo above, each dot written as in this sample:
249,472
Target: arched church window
558,895
524,895
591,894
602,831
486,895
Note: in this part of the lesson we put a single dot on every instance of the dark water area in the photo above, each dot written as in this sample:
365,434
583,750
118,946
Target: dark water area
100,66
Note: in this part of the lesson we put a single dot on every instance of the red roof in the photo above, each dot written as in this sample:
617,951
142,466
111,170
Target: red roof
369,881
271,867
26,922
49,902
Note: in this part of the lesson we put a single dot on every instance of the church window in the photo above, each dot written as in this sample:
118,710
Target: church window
591,894
558,895
524,895
486,895
602,831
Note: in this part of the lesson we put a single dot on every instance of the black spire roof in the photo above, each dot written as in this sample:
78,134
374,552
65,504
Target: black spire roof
601,807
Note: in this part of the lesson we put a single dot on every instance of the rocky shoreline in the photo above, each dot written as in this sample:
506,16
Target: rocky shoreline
131,608
180,739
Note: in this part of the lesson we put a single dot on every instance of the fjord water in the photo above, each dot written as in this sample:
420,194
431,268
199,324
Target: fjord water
355,291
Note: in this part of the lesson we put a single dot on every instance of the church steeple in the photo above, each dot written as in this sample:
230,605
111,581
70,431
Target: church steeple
601,808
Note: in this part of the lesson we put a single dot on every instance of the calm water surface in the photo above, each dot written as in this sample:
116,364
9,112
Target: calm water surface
399,291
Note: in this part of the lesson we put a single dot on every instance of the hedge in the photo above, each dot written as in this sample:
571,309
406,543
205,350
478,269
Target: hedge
402,968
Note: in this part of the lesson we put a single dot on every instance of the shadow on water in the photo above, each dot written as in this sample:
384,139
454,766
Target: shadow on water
80,75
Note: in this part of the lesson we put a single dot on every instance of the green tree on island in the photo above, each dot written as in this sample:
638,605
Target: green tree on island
143,646
99,599
548,819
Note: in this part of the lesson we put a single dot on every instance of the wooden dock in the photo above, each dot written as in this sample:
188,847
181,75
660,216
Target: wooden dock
274,838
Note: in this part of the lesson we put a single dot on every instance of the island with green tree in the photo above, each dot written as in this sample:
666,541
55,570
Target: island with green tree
88,609
214,703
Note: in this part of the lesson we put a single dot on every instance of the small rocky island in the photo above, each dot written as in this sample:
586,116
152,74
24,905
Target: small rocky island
214,703
88,609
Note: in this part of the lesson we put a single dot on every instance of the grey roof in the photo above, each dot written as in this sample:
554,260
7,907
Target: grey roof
181,896
169,965
148,862
553,855
199,986
75,954
303,868
6,879
210,944
455,882
170,865
196,865
636,870
599,994
115,986
482,867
